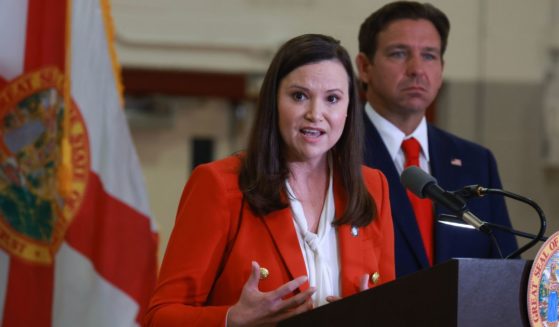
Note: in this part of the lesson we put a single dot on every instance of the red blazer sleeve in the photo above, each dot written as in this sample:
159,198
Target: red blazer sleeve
194,252
387,264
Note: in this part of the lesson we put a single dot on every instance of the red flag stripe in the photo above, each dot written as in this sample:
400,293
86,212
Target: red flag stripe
29,295
116,238
46,32
113,236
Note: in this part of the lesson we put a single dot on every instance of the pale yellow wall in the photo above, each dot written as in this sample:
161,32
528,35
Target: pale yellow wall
164,148
490,39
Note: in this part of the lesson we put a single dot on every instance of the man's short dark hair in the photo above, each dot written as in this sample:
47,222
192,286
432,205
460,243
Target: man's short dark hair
380,19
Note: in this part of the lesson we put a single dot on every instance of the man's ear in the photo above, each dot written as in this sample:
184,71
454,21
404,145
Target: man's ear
363,64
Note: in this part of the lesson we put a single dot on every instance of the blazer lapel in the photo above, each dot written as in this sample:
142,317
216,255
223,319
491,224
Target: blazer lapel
352,259
280,226
446,166
445,159
377,156
351,251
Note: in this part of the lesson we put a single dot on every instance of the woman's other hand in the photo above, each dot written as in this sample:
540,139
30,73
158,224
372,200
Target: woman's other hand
363,286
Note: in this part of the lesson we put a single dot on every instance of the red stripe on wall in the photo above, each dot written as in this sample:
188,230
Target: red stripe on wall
46,29
28,295
118,240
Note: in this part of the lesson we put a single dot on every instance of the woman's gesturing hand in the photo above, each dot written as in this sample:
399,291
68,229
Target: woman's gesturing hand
256,308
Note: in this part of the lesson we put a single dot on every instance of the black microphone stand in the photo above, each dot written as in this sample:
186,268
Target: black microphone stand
515,232
455,220
479,191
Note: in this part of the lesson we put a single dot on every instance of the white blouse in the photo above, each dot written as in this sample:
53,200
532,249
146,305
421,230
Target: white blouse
320,250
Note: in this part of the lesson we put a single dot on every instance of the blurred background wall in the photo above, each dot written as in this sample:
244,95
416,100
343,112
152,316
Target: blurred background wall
191,71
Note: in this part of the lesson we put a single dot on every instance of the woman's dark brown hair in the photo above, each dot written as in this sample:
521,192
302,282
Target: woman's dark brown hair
264,169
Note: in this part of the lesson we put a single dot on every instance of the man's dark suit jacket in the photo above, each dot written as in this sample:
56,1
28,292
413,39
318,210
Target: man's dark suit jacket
455,163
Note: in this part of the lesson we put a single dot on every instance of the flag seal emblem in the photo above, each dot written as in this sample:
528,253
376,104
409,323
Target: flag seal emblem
34,213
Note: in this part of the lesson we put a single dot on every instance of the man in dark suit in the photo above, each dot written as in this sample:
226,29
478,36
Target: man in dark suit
400,65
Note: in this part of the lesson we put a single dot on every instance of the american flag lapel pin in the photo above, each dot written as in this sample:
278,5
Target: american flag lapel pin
456,162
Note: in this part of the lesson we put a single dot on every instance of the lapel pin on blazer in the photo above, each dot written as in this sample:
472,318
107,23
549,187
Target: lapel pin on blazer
456,162
354,231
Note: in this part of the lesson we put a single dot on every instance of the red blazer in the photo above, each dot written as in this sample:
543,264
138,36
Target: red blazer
197,285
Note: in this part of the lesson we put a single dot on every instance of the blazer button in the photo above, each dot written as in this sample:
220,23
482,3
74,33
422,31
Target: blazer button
264,273
375,277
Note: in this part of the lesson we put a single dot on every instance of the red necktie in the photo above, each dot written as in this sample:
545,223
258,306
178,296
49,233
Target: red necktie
423,208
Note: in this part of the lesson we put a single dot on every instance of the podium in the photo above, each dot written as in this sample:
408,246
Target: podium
459,292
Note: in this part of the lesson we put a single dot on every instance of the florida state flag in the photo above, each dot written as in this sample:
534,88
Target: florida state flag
77,244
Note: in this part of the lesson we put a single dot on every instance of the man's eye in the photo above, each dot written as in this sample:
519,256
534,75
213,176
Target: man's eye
429,56
397,54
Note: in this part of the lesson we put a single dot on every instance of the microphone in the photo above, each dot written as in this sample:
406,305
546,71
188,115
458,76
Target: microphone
424,185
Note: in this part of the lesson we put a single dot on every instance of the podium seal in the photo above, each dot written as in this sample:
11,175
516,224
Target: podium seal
543,285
